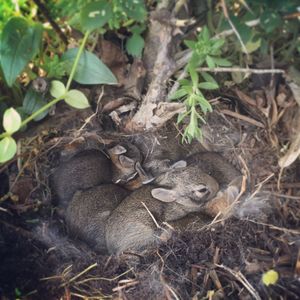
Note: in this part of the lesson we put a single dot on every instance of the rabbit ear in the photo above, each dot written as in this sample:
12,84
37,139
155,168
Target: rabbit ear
126,161
179,164
117,150
164,195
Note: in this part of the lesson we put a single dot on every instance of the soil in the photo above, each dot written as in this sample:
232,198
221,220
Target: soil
225,259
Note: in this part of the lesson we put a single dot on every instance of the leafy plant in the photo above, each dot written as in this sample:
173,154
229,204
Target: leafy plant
115,14
205,51
86,68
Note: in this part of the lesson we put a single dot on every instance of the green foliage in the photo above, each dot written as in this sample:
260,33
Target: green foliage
33,101
96,14
113,14
8,148
76,99
20,42
11,121
90,69
10,9
205,51
273,27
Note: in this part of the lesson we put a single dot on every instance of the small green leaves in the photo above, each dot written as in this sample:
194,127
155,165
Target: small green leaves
208,86
96,14
270,277
76,99
57,89
135,45
11,121
8,149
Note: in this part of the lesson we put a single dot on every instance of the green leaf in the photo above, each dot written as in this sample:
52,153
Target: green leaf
134,9
95,15
208,86
270,20
222,62
135,45
210,62
217,44
190,44
19,44
270,277
90,69
32,102
77,99
205,34
204,104
252,45
208,77
181,116
178,94
8,149
194,76
57,89
11,120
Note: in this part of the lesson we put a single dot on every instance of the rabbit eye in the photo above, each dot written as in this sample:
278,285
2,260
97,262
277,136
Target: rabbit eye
203,190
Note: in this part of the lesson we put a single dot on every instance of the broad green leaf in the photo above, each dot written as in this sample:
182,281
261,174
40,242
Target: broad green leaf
270,277
270,20
11,120
208,86
90,69
77,99
95,15
210,62
8,149
57,89
33,101
178,94
135,45
19,44
244,31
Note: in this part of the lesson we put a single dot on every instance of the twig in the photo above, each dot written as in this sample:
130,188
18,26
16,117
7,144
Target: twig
293,231
242,279
224,7
228,32
241,70
103,278
80,274
243,118
151,215
45,12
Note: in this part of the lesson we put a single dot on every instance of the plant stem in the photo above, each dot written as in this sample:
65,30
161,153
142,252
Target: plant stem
42,109
77,59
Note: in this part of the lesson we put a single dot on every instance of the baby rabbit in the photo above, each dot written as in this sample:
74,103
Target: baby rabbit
126,166
89,210
228,177
176,193
83,170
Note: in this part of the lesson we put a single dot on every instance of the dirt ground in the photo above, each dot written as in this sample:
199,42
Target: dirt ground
224,259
